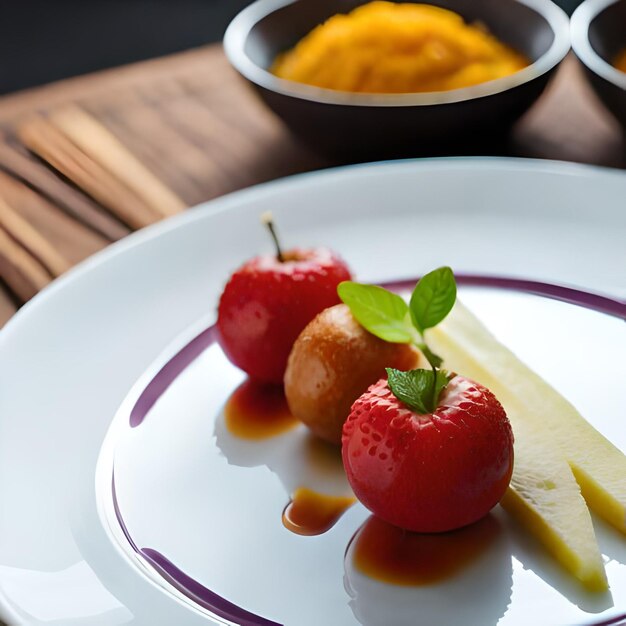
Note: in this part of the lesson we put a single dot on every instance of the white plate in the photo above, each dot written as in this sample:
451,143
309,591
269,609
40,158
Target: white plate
68,359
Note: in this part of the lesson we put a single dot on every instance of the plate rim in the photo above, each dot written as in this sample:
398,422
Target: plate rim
230,200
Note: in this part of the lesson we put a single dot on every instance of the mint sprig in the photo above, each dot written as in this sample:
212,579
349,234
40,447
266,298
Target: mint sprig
389,317
418,389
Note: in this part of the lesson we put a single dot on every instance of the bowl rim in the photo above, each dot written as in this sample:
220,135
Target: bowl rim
579,33
238,30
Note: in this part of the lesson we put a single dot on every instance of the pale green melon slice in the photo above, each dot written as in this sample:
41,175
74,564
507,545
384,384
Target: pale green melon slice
598,465
545,498
544,494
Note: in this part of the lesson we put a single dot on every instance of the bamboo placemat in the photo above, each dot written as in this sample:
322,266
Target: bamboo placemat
83,162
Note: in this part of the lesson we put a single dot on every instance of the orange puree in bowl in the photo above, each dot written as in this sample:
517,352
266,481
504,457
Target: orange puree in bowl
620,61
384,47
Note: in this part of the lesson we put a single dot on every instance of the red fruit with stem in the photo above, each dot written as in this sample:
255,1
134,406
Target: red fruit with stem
429,472
268,302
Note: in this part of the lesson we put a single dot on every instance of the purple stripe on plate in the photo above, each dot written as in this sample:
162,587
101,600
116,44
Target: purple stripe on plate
596,302
200,594
175,366
169,373
619,620
118,515
189,587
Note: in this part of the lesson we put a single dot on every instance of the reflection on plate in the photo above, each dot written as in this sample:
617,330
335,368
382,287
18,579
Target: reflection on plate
202,504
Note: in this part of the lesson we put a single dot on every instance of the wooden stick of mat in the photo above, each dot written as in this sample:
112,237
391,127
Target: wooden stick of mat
70,237
31,239
37,176
181,164
22,273
97,142
45,140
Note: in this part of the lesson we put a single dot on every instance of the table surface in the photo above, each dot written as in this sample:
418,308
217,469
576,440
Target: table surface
85,161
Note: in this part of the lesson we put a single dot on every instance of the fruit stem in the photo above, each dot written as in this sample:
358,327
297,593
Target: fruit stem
268,220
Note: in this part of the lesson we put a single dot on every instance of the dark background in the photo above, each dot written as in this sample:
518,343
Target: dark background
45,40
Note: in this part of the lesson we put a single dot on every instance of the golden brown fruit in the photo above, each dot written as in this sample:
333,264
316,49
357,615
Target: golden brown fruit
333,361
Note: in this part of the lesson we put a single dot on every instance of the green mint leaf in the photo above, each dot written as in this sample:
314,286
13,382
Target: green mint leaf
411,387
434,359
433,298
415,388
441,382
379,311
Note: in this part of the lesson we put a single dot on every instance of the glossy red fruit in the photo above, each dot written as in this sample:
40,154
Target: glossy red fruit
429,473
267,303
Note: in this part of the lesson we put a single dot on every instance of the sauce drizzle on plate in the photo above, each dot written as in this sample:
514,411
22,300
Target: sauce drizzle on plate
392,555
258,411
311,513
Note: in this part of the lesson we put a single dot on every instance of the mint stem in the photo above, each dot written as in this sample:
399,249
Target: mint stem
430,357
434,399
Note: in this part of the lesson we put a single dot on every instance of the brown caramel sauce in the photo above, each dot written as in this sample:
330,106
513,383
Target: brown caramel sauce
311,513
258,411
399,557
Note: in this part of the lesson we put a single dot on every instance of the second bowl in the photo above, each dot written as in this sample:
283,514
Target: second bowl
598,36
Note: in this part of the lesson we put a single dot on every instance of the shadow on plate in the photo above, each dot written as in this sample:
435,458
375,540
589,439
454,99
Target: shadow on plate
612,543
474,563
296,457
529,552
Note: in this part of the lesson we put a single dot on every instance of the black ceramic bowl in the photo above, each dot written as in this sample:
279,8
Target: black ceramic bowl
598,33
368,126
